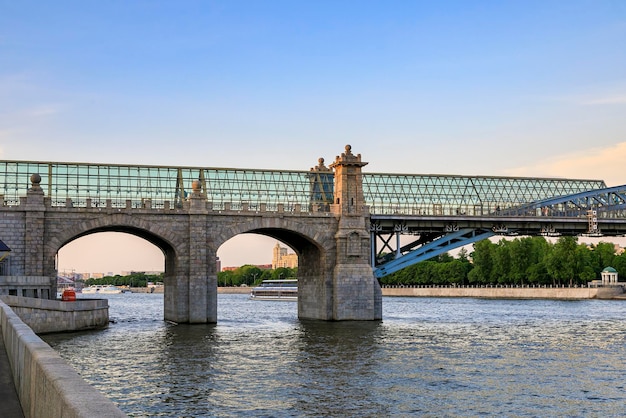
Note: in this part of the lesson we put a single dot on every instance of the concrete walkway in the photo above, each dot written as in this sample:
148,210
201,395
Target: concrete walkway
9,402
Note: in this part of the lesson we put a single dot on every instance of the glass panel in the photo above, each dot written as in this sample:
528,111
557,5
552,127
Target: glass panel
384,193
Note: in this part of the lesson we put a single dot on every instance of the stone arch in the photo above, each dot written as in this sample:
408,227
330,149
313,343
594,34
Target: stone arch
298,234
168,241
316,250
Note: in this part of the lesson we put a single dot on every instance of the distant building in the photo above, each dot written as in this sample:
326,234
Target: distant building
282,258
261,266
147,273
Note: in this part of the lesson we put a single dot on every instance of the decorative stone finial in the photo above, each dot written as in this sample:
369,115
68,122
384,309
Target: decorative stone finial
35,180
196,186
347,158
320,166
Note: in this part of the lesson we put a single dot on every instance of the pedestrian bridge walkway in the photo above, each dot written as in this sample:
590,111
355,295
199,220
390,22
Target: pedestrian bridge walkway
99,185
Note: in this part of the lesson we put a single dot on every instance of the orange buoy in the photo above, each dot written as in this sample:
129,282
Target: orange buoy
69,295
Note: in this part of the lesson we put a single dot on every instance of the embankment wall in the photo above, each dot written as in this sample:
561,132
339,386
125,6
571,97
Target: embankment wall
46,385
508,292
46,316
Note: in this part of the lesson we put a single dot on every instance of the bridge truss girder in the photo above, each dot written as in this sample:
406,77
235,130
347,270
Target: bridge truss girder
611,200
434,247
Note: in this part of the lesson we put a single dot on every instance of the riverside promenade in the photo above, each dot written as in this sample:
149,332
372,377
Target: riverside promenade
11,407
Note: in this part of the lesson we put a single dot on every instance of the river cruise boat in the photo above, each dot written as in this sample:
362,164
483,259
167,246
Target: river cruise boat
276,290
102,290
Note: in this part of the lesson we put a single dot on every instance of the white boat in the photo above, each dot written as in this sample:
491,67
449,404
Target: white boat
276,290
102,289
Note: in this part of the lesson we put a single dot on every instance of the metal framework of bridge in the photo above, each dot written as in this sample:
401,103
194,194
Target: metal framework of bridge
401,219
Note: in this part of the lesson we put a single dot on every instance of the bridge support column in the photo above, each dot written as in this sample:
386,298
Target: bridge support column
33,262
191,294
356,292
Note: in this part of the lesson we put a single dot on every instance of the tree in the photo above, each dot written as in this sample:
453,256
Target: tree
619,264
249,274
584,271
521,259
604,256
561,263
501,262
483,262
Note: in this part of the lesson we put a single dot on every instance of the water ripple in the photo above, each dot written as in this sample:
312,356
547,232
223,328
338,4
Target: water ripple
429,357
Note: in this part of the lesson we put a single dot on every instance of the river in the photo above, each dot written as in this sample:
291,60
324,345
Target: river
428,357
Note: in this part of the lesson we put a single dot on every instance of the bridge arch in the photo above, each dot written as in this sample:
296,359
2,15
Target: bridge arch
315,247
165,239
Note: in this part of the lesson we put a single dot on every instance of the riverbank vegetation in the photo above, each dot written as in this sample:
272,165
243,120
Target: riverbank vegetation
521,261
250,275
132,280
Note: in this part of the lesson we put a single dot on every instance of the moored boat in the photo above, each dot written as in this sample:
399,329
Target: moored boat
276,290
102,289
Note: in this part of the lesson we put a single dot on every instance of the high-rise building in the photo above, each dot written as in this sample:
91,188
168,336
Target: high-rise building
282,258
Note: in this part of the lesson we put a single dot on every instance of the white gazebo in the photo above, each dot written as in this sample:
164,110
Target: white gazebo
609,276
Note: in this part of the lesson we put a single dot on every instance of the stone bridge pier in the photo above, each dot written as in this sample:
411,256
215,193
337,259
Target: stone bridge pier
335,277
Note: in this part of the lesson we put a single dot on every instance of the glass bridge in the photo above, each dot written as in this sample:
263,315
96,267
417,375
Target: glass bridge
386,194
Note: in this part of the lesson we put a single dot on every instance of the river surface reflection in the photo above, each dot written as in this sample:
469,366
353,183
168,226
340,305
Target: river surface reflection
429,357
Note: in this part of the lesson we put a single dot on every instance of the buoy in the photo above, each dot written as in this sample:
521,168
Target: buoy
69,295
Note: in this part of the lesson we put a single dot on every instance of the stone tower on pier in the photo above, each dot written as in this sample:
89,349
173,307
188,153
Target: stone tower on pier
357,292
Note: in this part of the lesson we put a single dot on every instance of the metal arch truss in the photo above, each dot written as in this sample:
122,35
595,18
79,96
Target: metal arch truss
430,245
611,199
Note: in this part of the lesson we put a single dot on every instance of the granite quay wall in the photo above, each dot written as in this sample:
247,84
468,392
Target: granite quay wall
614,292
46,385
45,316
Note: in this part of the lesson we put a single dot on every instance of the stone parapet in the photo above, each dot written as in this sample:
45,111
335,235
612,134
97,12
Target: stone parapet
46,316
46,385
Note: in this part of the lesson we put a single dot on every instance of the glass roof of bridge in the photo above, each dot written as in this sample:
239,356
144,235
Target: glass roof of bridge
384,193
415,194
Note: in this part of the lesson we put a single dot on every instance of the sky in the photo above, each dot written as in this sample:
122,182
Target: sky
515,88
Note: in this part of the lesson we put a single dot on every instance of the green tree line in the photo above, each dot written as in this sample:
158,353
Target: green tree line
245,275
132,280
250,275
521,261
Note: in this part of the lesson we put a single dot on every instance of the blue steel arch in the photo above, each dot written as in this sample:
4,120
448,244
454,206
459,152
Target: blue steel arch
603,200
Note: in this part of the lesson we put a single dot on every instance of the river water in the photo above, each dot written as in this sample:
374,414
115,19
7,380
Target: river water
428,357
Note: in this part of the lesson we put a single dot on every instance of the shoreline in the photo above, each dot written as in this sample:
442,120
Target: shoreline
565,293
562,293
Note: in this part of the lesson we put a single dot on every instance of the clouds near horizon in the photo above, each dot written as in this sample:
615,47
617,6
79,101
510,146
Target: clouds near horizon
595,163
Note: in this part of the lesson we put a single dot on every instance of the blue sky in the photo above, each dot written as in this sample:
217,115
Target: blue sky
531,88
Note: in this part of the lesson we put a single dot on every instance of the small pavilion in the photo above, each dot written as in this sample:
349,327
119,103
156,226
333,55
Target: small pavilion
609,276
